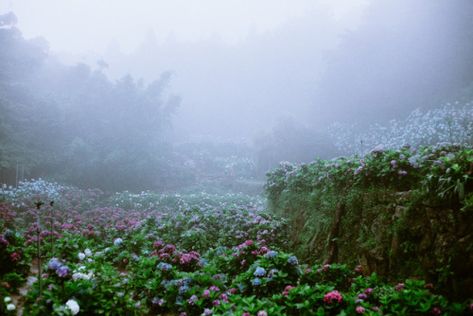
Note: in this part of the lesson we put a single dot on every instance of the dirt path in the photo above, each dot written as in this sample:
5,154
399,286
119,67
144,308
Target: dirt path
19,299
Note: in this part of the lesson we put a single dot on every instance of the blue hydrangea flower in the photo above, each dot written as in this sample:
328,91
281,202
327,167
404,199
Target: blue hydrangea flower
293,260
272,273
256,282
163,266
167,284
259,272
183,289
187,281
271,254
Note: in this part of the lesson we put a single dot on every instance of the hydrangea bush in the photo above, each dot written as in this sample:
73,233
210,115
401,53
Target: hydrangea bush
216,259
451,123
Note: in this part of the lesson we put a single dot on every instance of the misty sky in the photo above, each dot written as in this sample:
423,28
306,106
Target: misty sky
79,26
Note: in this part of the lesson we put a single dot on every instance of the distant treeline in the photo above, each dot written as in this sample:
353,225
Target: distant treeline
74,123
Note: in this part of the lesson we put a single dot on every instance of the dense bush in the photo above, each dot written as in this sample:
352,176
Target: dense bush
402,212
451,123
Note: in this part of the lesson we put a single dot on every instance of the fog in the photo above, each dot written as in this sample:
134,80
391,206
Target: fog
231,61
268,79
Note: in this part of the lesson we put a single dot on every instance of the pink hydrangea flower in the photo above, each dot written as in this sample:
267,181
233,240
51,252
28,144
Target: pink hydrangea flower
263,250
399,287
360,309
14,257
332,297
158,244
287,289
232,290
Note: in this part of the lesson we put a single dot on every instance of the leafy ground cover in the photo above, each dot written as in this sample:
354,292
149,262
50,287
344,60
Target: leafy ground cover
148,254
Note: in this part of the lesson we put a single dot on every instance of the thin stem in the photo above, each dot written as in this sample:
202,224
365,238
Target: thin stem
38,249
51,222
38,244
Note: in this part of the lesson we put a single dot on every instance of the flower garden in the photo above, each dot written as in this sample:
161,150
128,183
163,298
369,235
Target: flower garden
66,251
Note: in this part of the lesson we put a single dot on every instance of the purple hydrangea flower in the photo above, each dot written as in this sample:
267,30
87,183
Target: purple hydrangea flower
54,264
62,271
192,300
3,241
362,296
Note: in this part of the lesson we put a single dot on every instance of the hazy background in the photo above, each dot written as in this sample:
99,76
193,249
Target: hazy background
231,60
259,80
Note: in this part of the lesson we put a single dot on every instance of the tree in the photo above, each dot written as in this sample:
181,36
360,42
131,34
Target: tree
74,124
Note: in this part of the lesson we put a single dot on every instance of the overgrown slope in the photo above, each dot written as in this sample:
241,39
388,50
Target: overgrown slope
396,212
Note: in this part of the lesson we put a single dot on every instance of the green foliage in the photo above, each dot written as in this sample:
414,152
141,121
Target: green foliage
397,208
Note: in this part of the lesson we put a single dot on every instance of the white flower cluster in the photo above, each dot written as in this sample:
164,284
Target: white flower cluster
79,275
451,124
73,306
117,242
30,189
8,301
86,254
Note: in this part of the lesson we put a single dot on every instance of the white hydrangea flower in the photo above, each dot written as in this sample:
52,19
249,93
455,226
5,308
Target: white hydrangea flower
73,306
81,256
78,275
88,252
11,307
82,276
118,242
